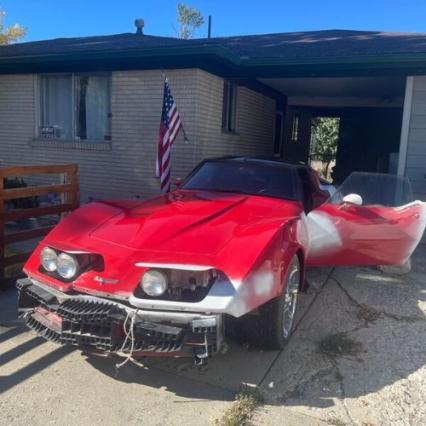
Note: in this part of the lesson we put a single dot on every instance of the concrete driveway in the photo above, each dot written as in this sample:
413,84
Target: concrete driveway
358,356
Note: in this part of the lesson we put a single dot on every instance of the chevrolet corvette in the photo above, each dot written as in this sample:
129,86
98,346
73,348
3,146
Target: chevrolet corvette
160,277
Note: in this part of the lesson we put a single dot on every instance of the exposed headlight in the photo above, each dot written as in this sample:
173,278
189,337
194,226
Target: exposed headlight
154,283
66,265
48,259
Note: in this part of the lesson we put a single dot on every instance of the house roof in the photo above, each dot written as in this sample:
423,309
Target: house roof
262,55
88,44
325,44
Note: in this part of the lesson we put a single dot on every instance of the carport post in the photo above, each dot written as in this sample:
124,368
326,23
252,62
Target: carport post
405,128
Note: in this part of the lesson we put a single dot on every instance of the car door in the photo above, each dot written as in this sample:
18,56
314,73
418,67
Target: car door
384,230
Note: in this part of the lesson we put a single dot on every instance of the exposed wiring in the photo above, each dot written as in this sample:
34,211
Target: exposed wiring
129,332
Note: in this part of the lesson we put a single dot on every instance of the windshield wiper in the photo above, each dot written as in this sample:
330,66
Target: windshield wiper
235,191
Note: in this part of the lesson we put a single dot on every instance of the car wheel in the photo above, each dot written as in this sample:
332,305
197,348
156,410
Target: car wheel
277,316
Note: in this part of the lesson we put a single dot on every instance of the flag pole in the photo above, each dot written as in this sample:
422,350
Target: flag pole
170,125
185,137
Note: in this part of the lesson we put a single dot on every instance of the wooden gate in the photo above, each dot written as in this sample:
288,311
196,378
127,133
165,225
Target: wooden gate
68,186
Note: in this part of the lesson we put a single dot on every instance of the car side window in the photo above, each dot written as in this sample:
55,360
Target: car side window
376,189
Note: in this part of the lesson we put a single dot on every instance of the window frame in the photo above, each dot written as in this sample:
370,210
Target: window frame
73,76
295,128
230,109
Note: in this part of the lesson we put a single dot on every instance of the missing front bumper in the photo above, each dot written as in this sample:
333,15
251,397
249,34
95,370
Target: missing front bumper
99,326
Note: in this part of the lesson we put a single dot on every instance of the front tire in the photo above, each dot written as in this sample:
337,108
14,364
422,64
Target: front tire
277,316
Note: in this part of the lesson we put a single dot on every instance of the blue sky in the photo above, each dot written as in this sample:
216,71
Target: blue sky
68,18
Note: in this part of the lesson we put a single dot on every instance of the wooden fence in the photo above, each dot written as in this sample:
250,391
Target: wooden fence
68,186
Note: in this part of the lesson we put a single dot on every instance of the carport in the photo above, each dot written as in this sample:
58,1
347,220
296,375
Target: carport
369,110
373,81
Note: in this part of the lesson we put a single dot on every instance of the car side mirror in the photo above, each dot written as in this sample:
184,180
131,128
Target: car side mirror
354,199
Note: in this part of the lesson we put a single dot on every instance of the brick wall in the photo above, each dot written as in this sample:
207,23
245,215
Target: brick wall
125,167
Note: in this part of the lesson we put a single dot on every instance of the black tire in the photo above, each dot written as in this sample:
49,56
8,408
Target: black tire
272,317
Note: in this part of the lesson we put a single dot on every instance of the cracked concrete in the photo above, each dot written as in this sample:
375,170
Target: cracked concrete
383,383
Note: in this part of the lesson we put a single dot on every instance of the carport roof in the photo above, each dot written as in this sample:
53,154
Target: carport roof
324,44
311,53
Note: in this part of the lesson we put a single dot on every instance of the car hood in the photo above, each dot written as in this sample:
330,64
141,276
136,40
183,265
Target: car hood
225,231
189,221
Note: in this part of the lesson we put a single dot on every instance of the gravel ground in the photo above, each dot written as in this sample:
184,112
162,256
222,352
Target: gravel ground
357,357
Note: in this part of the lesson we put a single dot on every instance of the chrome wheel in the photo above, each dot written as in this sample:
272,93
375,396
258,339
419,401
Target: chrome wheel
290,297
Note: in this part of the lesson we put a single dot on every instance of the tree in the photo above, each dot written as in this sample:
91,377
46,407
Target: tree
189,19
10,34
324,139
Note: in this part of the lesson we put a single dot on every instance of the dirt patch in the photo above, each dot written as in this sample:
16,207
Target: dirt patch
336,422
368,314
340,344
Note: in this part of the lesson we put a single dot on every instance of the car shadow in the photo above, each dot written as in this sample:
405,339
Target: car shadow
16,342
171,381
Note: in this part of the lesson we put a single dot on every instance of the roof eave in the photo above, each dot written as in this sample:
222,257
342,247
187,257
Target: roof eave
117,59
216,59
405,64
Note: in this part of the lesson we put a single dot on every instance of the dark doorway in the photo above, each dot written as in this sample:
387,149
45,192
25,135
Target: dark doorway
368,138
368,141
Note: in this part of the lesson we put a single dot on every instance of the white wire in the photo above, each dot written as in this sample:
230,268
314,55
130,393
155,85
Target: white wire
129,335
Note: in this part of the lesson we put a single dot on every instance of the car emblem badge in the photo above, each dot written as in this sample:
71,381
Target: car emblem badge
103,281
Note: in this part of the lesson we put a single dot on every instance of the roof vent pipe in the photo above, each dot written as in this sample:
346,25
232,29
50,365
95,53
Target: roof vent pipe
209,28
139,23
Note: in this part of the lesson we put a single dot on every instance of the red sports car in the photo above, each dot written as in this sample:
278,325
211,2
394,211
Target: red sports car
160,277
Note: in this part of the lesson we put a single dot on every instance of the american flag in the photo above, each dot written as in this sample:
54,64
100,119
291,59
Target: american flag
170,125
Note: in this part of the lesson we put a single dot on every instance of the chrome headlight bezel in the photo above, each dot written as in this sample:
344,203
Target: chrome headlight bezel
48,259
154,283
67,266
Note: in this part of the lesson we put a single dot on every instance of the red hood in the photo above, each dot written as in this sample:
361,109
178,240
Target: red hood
188,227
188,221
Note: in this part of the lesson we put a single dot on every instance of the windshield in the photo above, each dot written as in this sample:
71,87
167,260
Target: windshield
376,189
267,179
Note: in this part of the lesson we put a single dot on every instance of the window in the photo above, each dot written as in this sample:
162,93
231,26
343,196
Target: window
229,112
75,107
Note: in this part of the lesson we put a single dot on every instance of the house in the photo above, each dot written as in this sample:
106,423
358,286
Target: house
96,101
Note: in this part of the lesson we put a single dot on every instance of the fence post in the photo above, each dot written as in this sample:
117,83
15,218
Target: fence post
73,180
